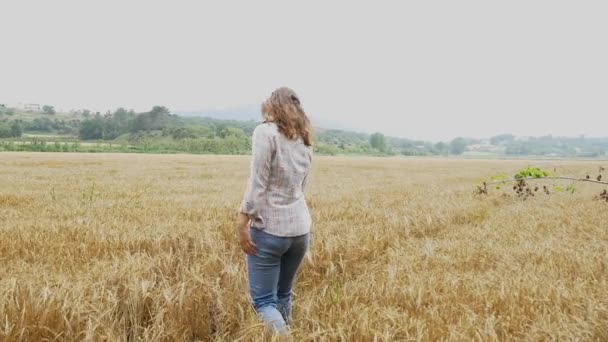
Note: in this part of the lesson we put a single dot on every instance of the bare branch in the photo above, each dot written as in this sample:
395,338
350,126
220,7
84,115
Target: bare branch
547,178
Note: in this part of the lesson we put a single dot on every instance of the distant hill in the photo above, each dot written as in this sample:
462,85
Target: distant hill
243,113
252,112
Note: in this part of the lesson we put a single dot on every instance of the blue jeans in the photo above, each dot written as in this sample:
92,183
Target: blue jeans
271,274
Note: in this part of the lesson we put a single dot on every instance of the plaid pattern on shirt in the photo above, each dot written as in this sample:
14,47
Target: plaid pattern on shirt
274,199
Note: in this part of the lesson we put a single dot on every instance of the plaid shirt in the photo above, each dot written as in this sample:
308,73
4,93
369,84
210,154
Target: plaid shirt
279,168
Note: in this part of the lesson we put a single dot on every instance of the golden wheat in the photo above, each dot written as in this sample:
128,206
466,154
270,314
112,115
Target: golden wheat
143,247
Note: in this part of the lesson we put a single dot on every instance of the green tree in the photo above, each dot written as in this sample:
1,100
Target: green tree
502,139
48,109
92,129
16,130
232,132
458,146
378,142
202,131
441,147
327,149
156,119
41,124
5,131
121,118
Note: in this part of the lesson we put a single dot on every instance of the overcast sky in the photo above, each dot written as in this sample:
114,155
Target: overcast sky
427,69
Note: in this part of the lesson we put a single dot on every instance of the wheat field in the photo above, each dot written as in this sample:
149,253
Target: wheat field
122,247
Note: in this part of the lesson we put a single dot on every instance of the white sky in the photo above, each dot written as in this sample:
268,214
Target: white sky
426,69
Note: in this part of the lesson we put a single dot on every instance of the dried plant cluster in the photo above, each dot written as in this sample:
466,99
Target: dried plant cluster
143,247
526,183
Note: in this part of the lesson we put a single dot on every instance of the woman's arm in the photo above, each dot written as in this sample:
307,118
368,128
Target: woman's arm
261,155
305,180
244,236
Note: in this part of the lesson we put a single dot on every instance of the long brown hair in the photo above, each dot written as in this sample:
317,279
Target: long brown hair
284,108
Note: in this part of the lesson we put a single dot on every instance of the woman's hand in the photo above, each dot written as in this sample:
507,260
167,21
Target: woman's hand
244,236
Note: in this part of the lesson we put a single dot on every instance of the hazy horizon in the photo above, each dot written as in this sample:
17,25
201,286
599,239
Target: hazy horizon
430,71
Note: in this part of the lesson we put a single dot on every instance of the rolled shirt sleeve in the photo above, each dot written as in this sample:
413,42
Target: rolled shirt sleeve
261,156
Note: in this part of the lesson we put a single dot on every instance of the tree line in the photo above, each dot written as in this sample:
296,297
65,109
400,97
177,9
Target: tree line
161,131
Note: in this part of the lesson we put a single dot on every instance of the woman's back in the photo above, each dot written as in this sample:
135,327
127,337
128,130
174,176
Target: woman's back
289,167
280,169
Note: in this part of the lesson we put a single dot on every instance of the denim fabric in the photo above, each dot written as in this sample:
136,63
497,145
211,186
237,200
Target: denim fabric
271,275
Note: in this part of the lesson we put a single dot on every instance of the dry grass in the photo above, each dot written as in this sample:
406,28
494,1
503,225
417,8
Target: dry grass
143,247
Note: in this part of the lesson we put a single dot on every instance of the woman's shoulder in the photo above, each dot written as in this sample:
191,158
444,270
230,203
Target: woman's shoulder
266,128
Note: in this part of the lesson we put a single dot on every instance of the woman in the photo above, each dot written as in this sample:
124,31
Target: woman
274,221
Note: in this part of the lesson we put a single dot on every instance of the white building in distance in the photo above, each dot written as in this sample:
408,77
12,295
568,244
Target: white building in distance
30,107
